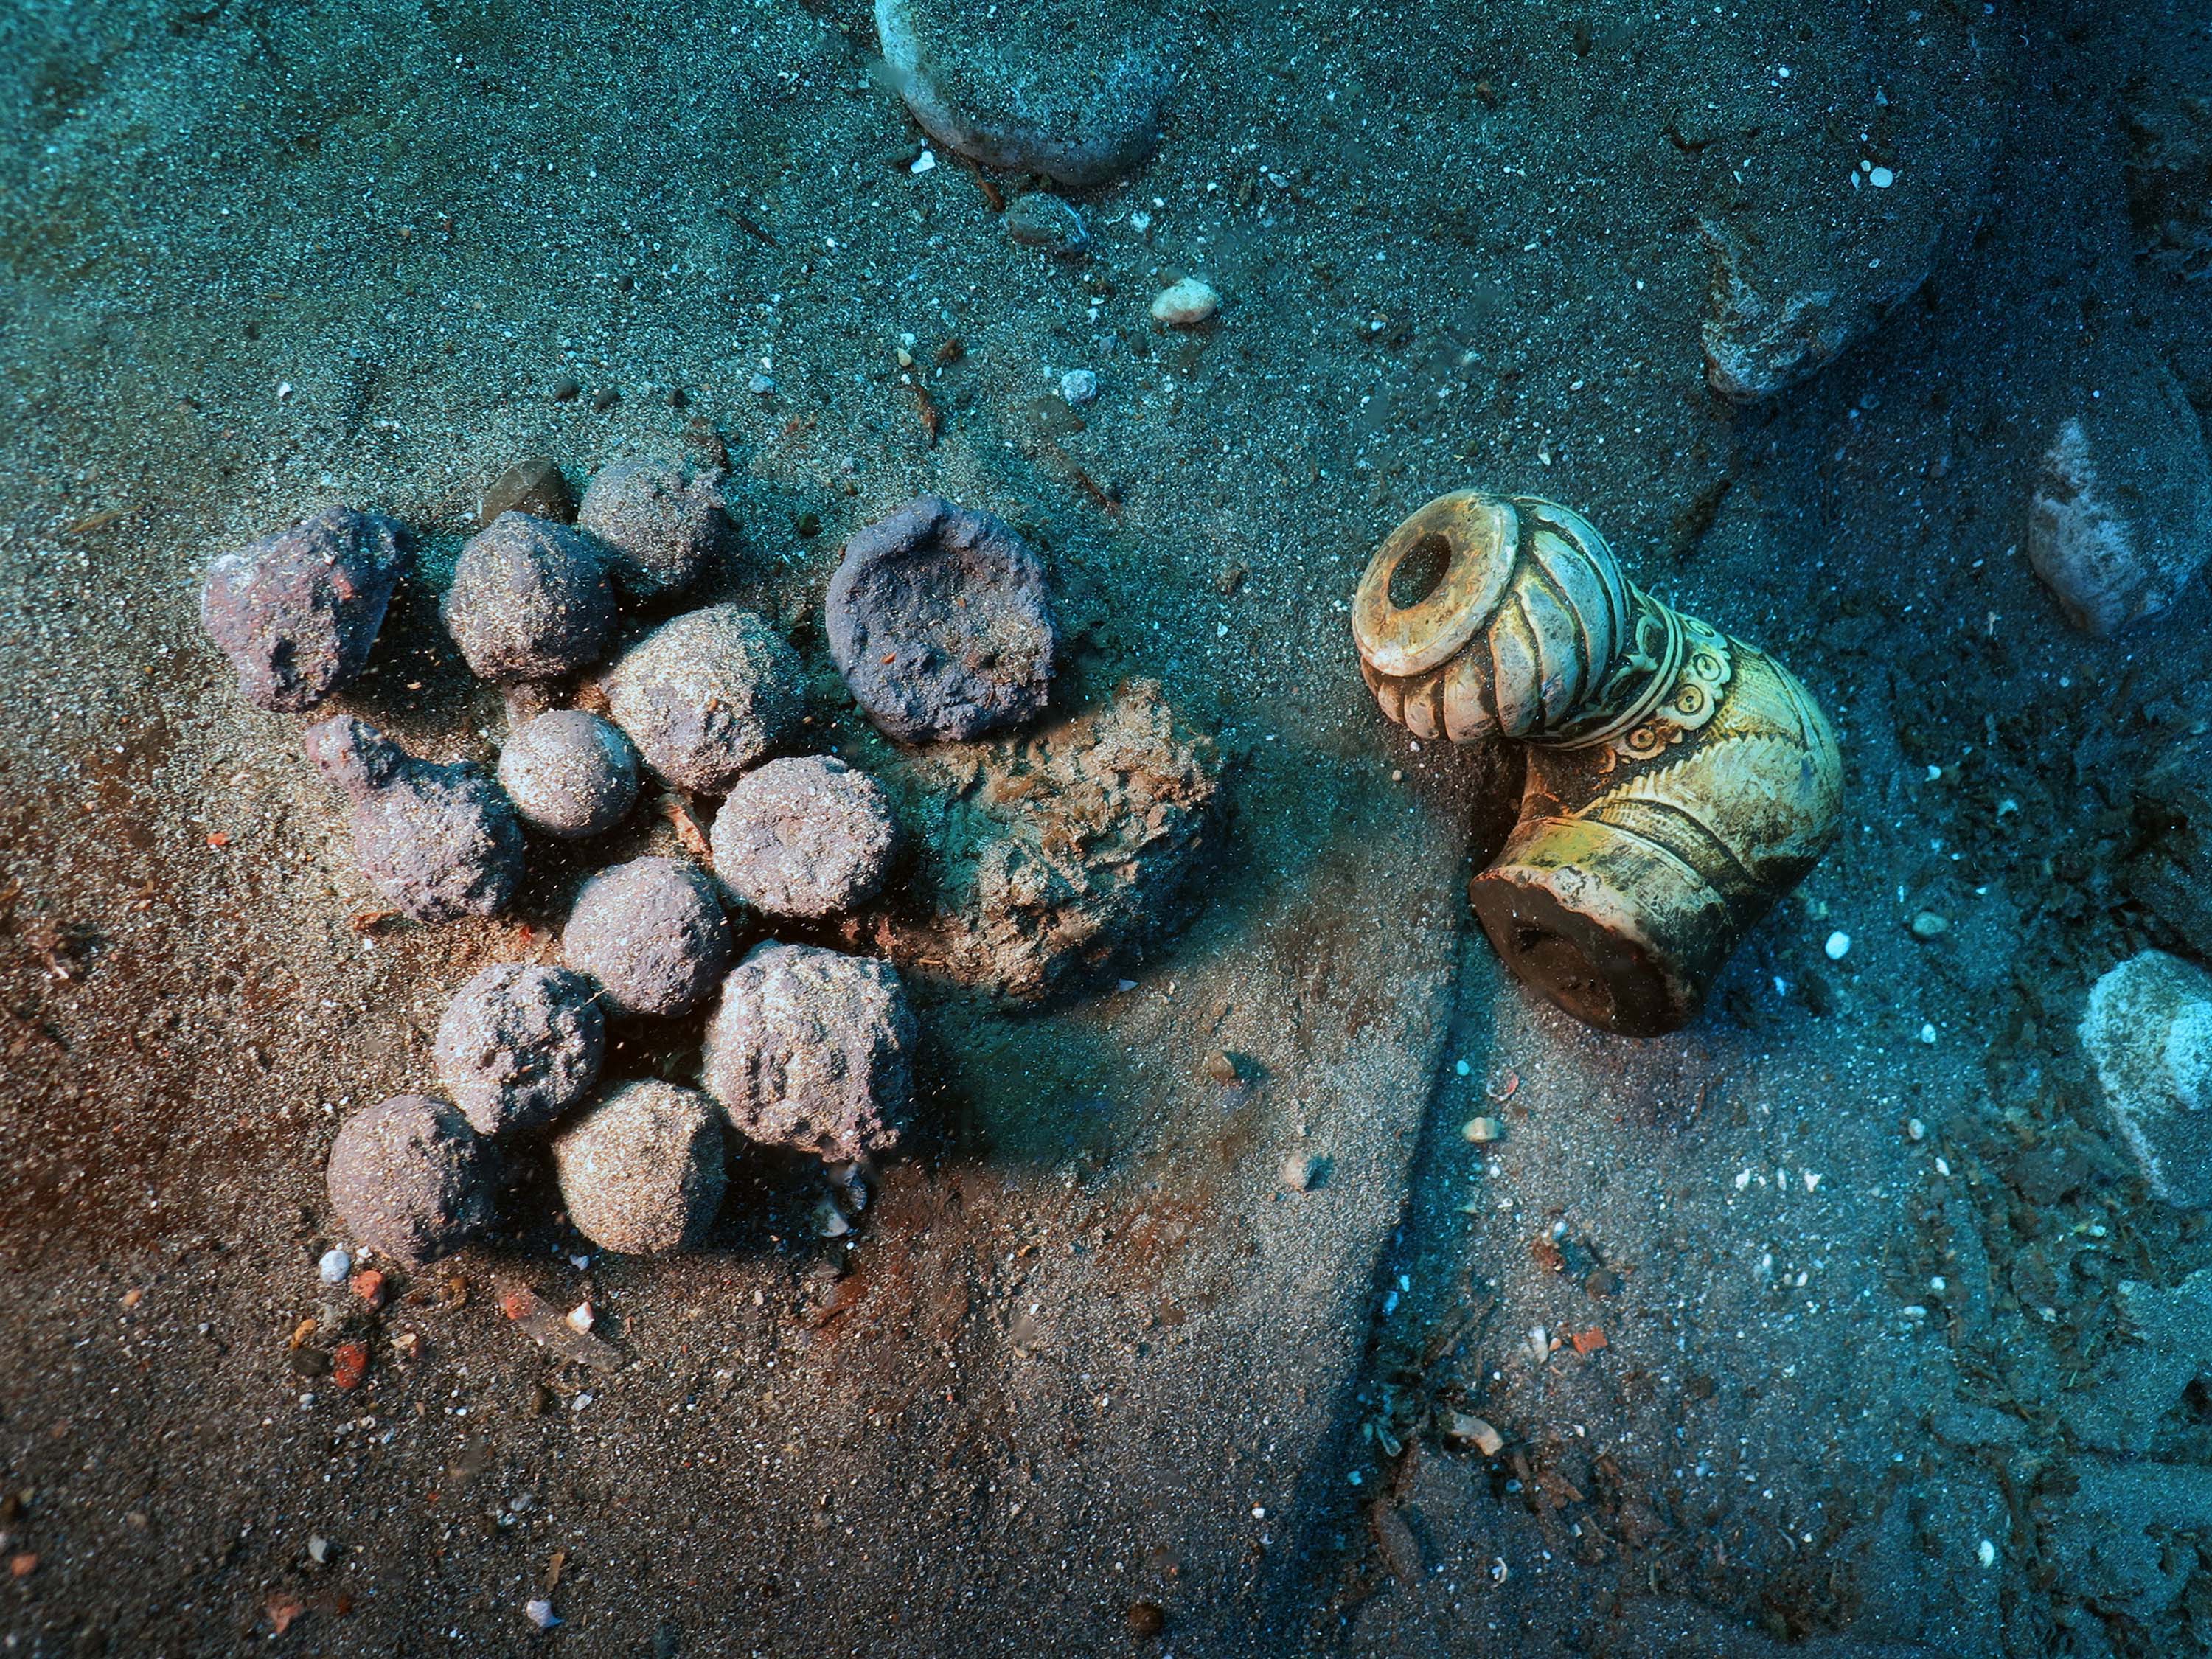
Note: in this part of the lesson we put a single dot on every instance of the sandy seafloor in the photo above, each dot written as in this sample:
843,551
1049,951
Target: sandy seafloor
257,257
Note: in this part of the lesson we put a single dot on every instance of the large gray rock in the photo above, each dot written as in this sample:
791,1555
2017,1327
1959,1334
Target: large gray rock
663,527
530,601
2121,518
652,932
296,613
805,836
518,1045
569,774
1074,89
939,620
2148,1030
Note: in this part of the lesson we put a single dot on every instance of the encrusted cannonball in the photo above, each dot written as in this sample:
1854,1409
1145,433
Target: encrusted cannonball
813,1050
530,601
569,774
410,1178
939,620
440,842
706,695
297,612
663,528
652,932
805,836
519,1045
642,1172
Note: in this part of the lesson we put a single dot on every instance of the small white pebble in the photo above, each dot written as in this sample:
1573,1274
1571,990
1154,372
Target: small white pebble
580,1318
1839,946
334,1266
540,1613
1915,1129
1078,385
1928,1033
1483,1130
1185,304
923,162
1463,1069
1987,1554
1812,1180
1881,177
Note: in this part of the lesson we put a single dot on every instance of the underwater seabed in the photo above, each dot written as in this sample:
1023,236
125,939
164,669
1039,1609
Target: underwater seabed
1040,1145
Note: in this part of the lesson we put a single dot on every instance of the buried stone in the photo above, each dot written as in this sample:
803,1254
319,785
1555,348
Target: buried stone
2148,1031
1074,89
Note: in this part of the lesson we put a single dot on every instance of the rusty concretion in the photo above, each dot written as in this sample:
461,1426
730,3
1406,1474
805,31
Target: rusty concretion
1679,781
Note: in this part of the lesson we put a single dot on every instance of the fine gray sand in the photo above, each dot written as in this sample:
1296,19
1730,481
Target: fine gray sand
1800,1331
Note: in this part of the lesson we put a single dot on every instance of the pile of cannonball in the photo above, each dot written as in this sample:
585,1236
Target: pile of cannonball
939,621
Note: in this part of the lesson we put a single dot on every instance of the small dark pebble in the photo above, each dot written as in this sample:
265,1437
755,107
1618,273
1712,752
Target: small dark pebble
1041,220
807,526
605,399
565,390
535,486
1146,1619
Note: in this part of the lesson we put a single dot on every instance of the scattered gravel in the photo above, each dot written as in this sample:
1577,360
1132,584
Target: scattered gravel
569,774
665,529
530,601
519,1045
411,1179
297,612
706,695
813,1050
939,621
642,1172
439,842
807,837
652,932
